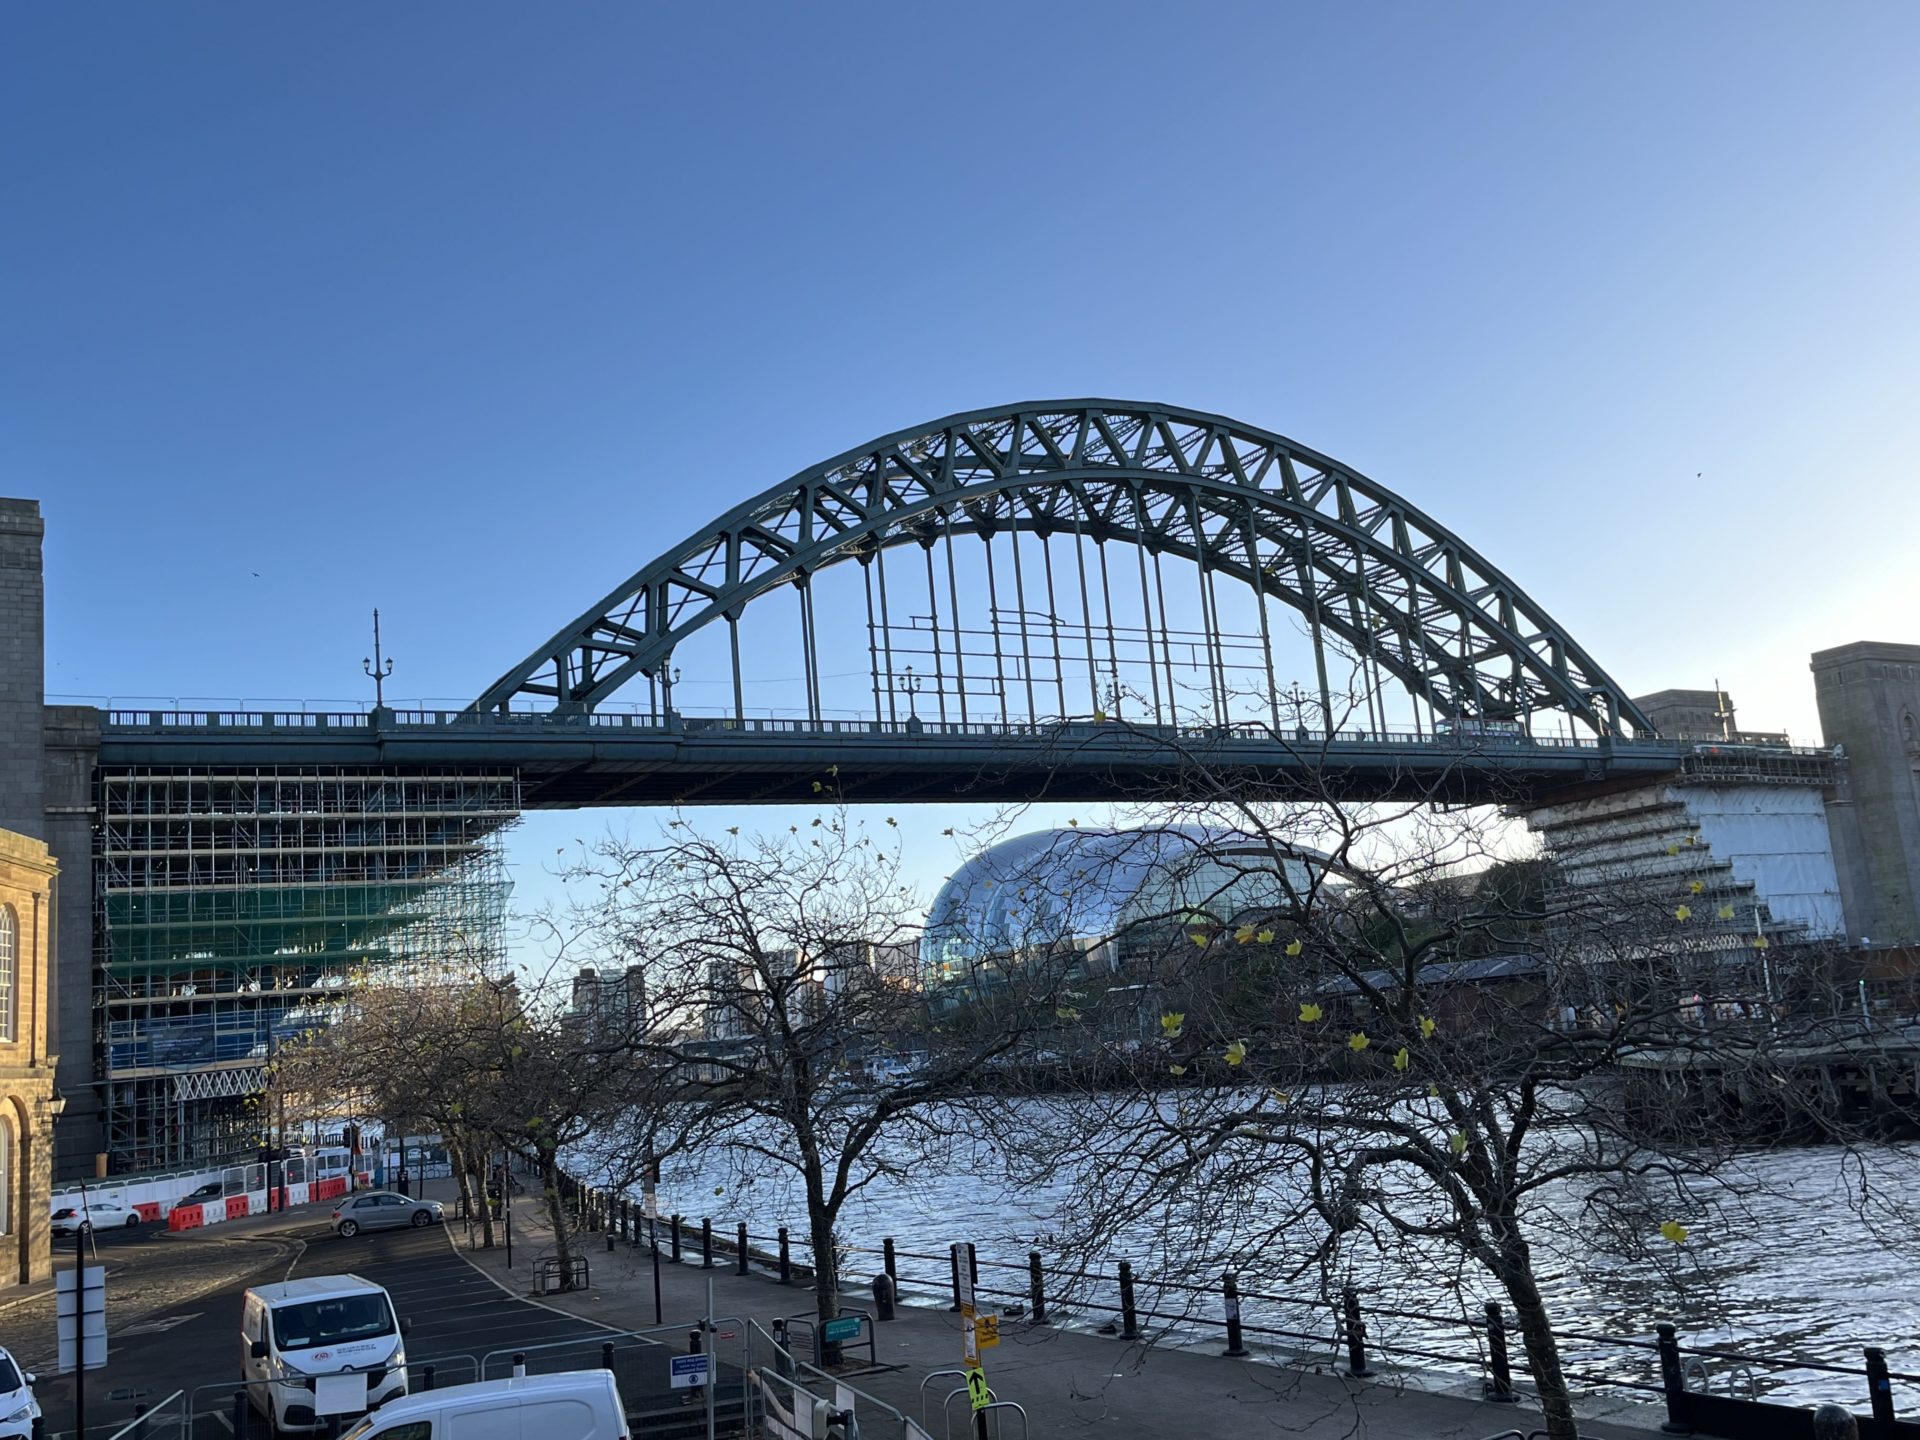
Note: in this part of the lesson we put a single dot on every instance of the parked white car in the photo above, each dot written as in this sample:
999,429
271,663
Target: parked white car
97,1213
18,1408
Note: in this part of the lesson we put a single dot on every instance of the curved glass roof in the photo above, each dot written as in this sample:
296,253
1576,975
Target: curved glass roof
1083,886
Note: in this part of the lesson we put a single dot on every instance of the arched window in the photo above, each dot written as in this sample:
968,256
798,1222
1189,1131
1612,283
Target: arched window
6,1175
9,930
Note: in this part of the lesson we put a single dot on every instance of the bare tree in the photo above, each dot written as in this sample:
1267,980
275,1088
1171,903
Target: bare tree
1421,1058
783,994
494,1064
410,1051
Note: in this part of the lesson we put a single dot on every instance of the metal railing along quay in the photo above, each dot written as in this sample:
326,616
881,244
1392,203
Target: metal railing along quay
1349,1332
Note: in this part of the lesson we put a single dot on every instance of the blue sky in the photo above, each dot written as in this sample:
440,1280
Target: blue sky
467,310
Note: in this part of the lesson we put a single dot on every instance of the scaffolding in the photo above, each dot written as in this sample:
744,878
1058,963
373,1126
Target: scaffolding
235,910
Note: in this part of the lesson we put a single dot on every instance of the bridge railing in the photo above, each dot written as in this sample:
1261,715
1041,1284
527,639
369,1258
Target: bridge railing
1303,738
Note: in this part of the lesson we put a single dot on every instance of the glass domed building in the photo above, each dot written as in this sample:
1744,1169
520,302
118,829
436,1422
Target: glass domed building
1102,894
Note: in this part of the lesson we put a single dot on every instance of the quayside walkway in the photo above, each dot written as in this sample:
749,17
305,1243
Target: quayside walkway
1068,1381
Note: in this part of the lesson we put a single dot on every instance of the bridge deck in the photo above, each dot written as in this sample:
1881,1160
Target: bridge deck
566,761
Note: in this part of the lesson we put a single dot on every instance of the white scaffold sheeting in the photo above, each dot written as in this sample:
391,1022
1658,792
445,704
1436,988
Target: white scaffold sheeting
1775,839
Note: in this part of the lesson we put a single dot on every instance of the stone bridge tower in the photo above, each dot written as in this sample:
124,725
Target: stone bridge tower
1869,698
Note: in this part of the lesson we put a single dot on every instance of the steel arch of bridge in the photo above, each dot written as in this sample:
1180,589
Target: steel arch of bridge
1356,560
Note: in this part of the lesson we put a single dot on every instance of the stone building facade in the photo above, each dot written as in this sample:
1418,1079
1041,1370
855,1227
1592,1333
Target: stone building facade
27,892
1869,697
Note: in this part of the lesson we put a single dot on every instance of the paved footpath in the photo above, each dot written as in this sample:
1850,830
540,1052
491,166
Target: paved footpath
1070,1382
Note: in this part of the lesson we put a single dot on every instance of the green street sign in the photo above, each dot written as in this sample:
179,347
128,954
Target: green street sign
845,1327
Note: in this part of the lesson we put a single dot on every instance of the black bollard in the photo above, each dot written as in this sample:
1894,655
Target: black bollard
1834,1422
953,1256
973,1265
888,1263
1129,1320
1230,1293
1356,1334
1673,1382
706,1244
519,1365
426,1377
676,1239
1036,1287
883,1296
610,1239
1880,1389
1500,1387
740,1261
786,1258
606,1356
139,1422
240,1416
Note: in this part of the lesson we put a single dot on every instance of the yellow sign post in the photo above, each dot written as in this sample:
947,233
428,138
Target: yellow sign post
977,1392
979,1332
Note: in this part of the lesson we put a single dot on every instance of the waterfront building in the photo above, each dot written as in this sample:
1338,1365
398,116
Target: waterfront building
209,913
1108,896
27,897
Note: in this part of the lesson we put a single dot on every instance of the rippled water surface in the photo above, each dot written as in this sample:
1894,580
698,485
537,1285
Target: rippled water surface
1792,1265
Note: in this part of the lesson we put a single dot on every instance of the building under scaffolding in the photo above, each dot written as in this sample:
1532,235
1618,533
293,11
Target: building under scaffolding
235,910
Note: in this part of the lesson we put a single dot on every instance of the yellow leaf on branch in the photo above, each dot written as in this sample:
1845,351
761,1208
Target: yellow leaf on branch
1294,947
1358,1041
1401,1059
1236,1052
1309,1012
1171,1022
1176,1069
1673,1230
1265,937
1683,912
1458,1144
1427,1027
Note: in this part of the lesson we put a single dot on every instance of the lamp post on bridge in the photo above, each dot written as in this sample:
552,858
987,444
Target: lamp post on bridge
908,684
1297,701
378,670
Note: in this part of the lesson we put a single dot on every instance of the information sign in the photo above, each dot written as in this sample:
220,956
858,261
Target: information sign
689,1372
841,1327
80,1317
986,1331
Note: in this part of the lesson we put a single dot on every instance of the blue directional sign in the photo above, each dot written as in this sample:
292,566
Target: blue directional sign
689,1371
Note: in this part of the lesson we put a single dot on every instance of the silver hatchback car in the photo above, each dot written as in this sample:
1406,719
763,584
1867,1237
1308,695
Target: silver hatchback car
383,1210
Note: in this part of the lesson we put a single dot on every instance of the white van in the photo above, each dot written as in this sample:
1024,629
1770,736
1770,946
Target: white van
294,1333
573,1405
